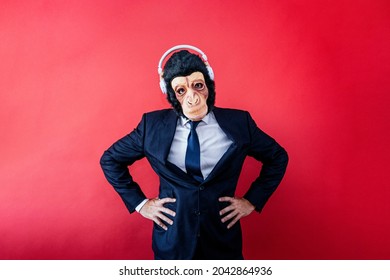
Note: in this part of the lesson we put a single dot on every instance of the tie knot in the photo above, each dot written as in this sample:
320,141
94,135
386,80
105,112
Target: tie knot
194,124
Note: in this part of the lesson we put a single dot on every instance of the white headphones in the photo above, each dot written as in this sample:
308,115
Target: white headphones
163,85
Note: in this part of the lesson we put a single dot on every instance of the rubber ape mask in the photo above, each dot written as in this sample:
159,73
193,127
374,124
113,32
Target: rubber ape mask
190,90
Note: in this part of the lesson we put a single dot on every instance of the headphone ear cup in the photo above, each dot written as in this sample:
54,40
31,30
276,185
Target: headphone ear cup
163,86
210,71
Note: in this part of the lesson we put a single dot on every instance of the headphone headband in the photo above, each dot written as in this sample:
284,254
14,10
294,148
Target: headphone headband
178,47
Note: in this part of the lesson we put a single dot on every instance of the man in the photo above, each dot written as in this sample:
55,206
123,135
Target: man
198,151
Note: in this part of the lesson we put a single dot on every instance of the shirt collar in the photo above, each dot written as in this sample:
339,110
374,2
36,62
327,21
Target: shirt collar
206,119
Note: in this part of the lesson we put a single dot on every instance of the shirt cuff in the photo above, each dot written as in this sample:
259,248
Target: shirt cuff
138,208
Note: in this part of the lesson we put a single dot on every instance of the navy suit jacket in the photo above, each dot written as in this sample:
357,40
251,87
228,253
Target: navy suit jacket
197,206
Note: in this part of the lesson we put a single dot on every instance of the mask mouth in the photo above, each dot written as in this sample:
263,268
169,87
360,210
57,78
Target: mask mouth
197,112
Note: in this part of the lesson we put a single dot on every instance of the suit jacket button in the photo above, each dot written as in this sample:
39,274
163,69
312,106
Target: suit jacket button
197,212
201,188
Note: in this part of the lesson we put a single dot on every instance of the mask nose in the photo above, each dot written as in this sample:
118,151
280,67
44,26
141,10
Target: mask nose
192,98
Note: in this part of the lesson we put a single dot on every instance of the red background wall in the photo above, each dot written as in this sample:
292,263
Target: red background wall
77,75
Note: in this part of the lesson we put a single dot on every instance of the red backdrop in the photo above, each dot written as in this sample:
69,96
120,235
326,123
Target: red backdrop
77,75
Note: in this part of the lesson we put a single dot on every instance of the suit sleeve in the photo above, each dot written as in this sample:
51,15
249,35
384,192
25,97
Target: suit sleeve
274,159
115,161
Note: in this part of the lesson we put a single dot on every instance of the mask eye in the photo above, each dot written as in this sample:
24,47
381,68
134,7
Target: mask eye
180,91
199,86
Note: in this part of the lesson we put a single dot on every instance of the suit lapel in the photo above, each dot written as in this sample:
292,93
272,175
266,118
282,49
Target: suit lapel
162,140
224,123
164,135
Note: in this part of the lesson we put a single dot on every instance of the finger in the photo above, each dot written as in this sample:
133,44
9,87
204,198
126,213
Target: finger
226,199
164,218
229,216
168,211
166,200
226,209
159,223
234,221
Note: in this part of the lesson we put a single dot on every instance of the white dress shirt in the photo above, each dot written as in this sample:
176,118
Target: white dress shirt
212,140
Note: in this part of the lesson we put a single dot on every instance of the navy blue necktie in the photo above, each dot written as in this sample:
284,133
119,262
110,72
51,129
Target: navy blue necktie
193,153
